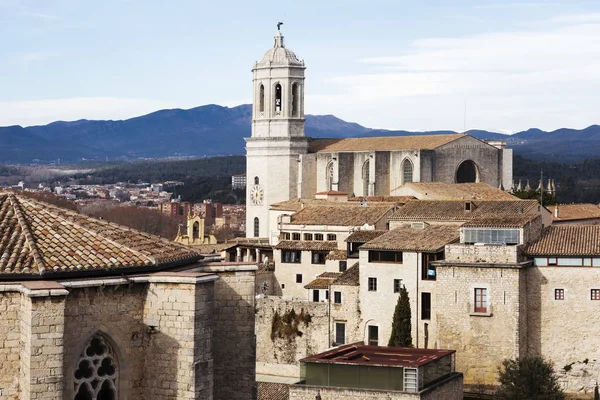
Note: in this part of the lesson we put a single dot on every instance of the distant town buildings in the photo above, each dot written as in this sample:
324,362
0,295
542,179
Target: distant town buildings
238,181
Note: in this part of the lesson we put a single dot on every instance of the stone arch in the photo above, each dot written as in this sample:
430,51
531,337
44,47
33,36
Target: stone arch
467,172
96,373
366,176
407,171
329,175
278,98
256,180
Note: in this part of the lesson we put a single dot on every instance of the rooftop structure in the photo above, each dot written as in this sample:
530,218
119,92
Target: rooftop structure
452,191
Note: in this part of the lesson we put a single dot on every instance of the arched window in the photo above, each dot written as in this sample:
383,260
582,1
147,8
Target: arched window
196,230
407,171
295,102
256,180
261,100
256,227
329,176
278,103
366,174
467,172
97,372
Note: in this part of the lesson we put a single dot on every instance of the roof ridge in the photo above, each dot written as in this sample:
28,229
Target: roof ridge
29,239
91,232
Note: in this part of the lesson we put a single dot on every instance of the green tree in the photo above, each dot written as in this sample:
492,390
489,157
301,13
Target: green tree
401,325
528,378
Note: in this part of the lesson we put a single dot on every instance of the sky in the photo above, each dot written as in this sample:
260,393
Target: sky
503,66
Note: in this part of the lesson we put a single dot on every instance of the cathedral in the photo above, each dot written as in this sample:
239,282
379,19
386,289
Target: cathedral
284,164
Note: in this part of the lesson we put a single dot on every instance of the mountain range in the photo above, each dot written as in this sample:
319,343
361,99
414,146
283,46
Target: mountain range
215,130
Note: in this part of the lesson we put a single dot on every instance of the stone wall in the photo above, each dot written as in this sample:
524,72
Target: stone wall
382,173
448,158
468,253
348,312
277,355
10,307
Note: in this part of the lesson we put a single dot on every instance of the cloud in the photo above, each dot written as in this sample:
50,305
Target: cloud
519,79
40,112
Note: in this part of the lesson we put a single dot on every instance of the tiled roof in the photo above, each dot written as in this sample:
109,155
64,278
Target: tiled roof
349,277
337,255
405,238
306,245
299,204
39,239
388,143
323,281
502,221
363,236
384,199
213,248
567,240
272,391
454,191
341,216
454,210
333,193
569,212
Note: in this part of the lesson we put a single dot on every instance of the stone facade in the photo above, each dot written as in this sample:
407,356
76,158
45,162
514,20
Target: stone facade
348,312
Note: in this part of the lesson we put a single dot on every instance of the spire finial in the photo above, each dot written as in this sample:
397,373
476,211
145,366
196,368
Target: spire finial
279,25
279,36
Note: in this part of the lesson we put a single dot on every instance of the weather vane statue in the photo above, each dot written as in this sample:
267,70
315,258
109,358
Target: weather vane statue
279,25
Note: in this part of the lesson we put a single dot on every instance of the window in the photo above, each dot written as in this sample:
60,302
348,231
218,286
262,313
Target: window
595,294
327,295
278,103
428,272
551,260
343,266
318,236
256,227
329,176
298,278
407,171
481,301
340,333
337,297
468,206
308,236
295,236
291,256
318,257
372,284
196,230
366,176
295,110
385,256
559,294
373,335
97,373
256,180
315,294
331,237
397,285
285,236
261,101
491,236
425,305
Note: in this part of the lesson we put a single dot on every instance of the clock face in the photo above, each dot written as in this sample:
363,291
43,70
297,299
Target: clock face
257,195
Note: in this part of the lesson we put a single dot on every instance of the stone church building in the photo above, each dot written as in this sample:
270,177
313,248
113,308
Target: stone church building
284,164
91,310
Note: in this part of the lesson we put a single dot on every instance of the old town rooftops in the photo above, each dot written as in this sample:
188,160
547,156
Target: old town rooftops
502,221
573,212
388,143
40,239
349,277
454,191
567,240
306,245
323,281
462,210
430,238
342,216
363,236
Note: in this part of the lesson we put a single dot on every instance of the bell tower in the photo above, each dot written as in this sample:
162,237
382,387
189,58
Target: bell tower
277,142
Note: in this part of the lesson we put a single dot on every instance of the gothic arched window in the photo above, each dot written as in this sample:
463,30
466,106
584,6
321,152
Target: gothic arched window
261,100
407,171
196,230
295,102
278,103
256,227
97,372
329,176
256,180
366,175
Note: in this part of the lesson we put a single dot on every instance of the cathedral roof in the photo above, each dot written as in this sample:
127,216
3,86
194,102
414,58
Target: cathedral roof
39,239
279,55
388,143
567,240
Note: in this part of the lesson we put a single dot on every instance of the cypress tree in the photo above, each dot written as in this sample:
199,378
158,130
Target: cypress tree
401,325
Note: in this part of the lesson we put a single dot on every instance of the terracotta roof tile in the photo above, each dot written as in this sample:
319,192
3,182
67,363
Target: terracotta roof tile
405,238
341,216
323,281
272,391
337,255
38,238
567,240
349,277
454,210
363,236
384,199
388,143
454,191
569,212
306,245
502,221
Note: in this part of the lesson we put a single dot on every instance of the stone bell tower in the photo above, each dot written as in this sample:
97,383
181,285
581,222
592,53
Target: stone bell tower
273,152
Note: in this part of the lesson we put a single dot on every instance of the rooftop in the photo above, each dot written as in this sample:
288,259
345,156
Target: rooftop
454,191
502,221
306,245
355,215
323,281
431,238
363,236
358,354
349,277
456,210
572,212
40,239
567,240
389,143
